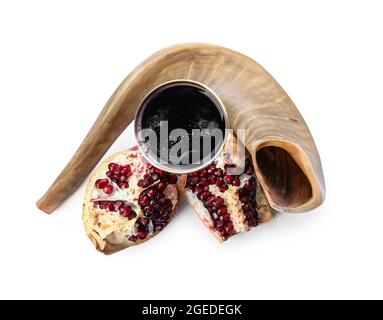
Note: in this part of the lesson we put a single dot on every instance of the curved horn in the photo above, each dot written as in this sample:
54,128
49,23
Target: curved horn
284,153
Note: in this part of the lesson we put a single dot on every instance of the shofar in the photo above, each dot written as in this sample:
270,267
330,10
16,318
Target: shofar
285,157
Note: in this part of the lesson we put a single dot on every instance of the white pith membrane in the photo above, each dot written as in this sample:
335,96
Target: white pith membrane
106,227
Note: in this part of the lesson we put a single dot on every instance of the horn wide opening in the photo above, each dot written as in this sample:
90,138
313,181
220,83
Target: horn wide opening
287,184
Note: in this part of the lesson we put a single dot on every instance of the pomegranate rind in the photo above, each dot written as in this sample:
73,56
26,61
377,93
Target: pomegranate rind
108,231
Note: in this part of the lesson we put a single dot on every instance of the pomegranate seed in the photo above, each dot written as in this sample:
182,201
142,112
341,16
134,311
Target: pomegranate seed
144,183
97,204
205,195
109,206
168,204
223,234
101,183
218,172
198,190
219,182
236,182
250,185
173,179
149,209
143,221
226,217
148,177
144,200
218,224
159,206
158,171
108,189
124,211
166,212
141,235
118,205
123,185
223,188
246,207
210,200
222,210
133,238
229,226
250,170
212,179
162,186
248,214
142,228
193,181
229,179
132,215
219,202
152,192
202,173
115,168
245,199
153,202
110,174
126,170
147,182
204,183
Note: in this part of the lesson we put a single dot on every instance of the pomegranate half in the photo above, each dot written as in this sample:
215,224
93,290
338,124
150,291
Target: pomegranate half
227,204
127,202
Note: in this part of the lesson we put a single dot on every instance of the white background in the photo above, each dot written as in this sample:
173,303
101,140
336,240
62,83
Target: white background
61,60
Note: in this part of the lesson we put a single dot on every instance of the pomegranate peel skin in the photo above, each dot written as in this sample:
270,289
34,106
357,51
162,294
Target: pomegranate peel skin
111,229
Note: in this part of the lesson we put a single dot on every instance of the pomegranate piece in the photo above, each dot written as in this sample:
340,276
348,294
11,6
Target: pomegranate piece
128,201
227,203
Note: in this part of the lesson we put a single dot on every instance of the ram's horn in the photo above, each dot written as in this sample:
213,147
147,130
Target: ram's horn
285,156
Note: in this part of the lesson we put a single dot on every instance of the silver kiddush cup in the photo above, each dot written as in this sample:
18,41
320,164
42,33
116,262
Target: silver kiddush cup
178,150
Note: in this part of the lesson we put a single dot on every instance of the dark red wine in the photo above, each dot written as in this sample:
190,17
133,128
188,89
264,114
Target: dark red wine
194,120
